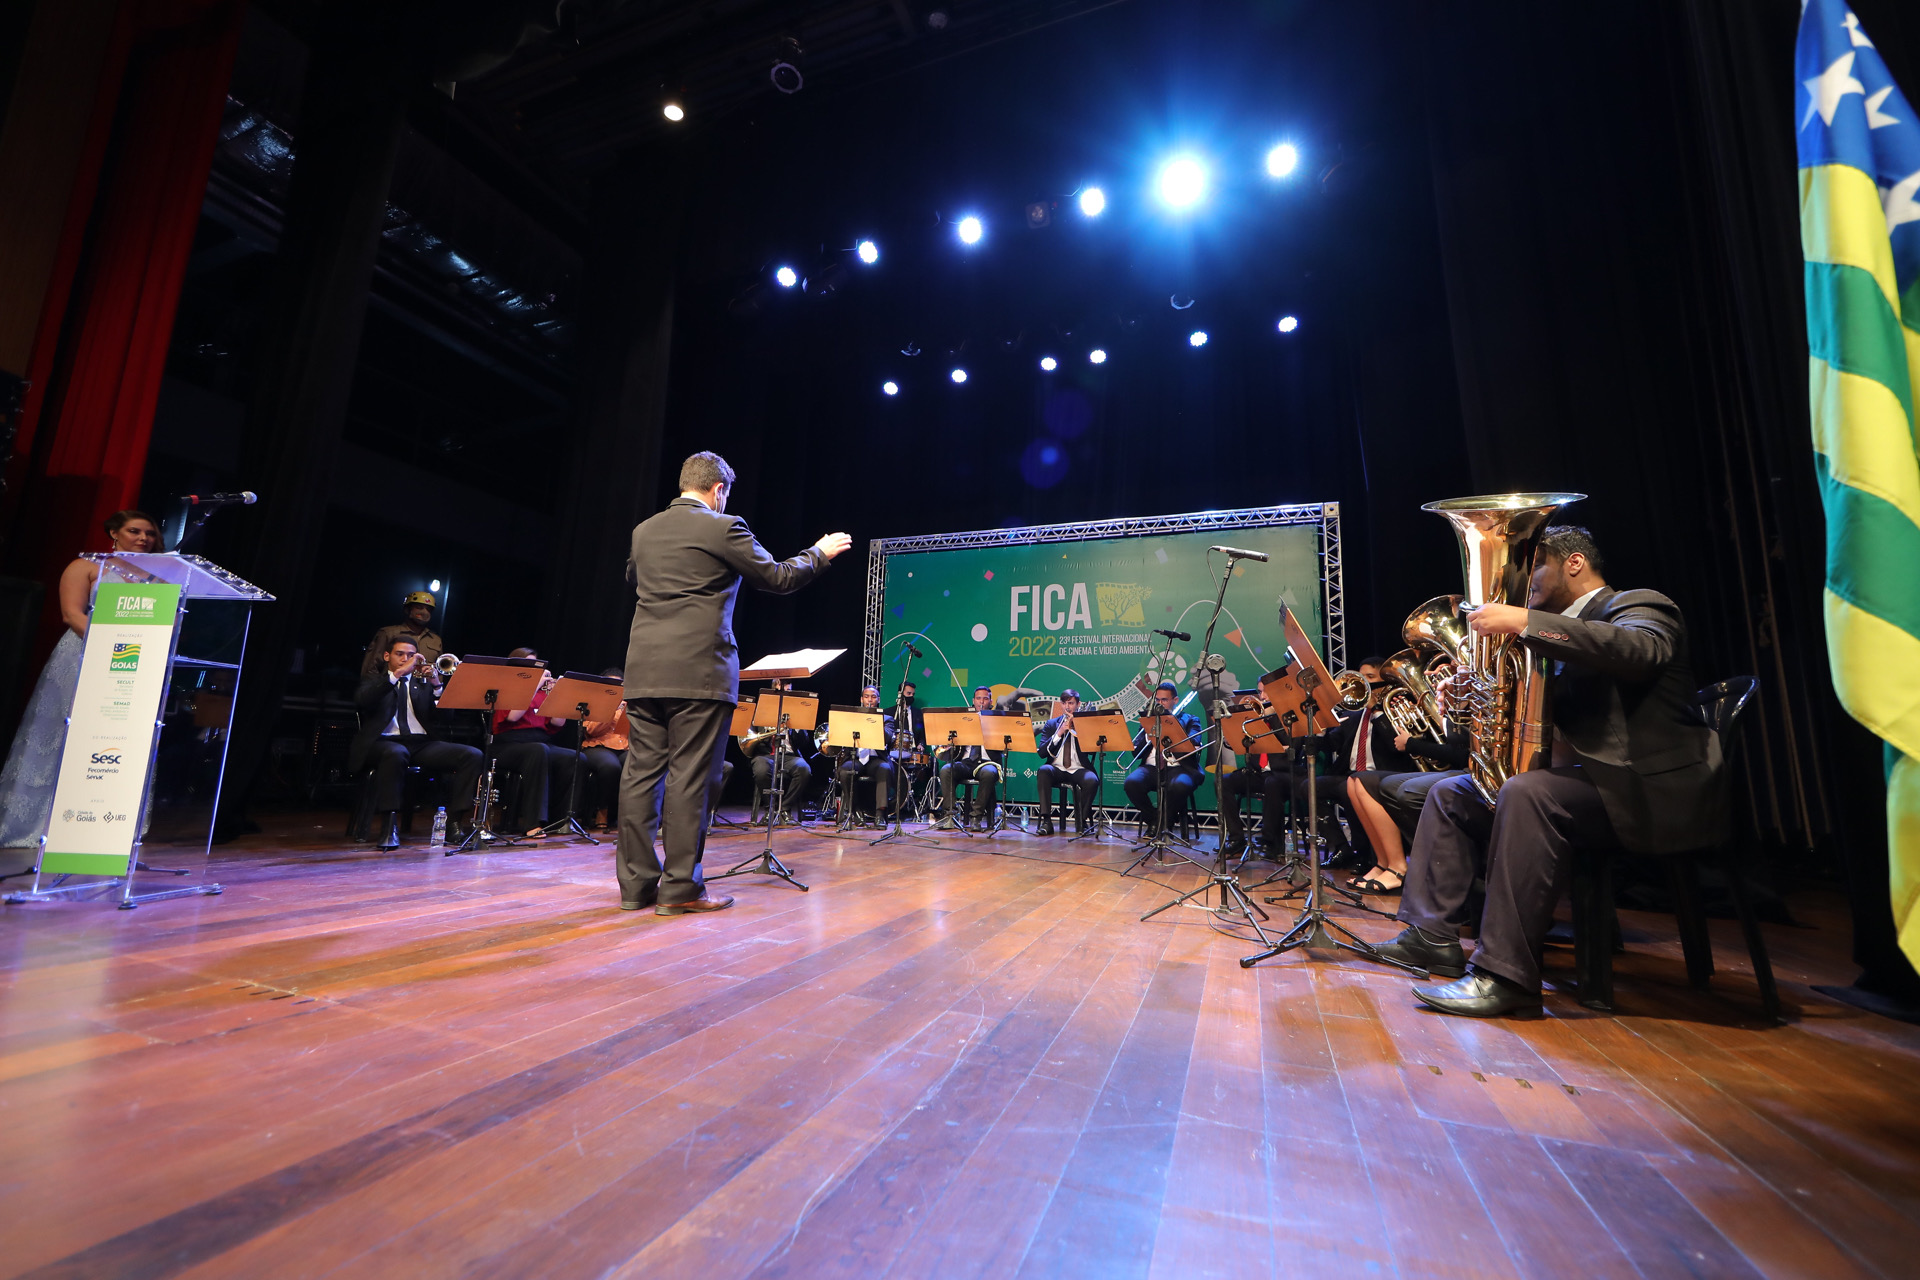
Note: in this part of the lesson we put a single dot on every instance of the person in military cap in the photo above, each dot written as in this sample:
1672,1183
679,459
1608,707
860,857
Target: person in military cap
419,607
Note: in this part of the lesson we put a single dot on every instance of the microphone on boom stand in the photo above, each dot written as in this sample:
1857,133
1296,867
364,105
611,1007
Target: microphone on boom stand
1181,636
1235,553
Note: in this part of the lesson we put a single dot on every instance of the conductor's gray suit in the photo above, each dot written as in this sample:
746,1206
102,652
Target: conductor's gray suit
682,681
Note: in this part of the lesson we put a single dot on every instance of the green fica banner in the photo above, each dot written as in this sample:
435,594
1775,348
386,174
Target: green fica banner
1032,619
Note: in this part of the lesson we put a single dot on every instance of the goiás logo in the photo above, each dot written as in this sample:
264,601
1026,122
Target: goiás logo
126,657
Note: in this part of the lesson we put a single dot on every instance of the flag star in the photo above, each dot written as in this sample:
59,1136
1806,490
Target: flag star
1825,90
1876,118
1898,200
1854,33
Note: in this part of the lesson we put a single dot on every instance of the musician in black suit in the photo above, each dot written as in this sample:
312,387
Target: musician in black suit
1633,766
1361,744
1063,764
867,763
1182,767
1259,776
396,706
976,764
683,676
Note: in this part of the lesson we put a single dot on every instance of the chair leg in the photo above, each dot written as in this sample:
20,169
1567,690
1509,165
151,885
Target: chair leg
1593,930
1695,942
1756,942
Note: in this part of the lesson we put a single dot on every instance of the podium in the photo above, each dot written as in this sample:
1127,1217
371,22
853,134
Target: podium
146,752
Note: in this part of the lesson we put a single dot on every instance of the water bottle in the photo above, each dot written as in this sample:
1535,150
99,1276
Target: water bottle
439,840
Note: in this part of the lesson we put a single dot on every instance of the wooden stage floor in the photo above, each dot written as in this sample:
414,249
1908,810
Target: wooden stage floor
943,1061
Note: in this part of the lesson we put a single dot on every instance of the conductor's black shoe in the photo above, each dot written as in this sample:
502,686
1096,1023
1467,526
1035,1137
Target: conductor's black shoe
1444,958
1480,995
697,906
389,830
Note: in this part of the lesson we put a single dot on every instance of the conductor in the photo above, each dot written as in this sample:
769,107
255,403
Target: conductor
683,676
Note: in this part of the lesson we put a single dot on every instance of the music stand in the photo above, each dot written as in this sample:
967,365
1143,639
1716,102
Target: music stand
783,710
490,685
586,697
953,727
1006,733
1095,733
853,728
1318,696
1165,731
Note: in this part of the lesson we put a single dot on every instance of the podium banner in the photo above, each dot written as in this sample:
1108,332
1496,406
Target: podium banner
110,734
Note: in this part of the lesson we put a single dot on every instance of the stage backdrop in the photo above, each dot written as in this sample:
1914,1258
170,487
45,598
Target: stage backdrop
1038,609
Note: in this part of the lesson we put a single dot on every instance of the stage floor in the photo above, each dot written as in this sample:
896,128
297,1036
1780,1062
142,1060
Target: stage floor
953,1059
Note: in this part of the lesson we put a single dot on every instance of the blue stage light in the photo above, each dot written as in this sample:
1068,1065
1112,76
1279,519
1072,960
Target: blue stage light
1198,338
786,277
1048,364
890,387
1289,323
1182,182
958,376
970,230
1093,202
1282,160
1098,355
868,251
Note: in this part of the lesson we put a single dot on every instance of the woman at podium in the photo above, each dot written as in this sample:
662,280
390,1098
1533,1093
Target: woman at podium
33,765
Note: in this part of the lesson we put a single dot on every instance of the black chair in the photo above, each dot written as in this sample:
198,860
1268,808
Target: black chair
360,818
1595,924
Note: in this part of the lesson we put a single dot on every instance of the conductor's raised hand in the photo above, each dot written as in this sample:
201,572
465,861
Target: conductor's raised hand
833,544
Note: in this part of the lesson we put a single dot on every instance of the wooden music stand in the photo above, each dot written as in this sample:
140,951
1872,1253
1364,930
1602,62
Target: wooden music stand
849,729
1252,733
489,684
1007,733
953,727
742,723
584,698
787,709
1096,733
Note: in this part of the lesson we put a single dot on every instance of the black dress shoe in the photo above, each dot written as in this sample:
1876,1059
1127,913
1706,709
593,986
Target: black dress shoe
389,830
1233,848
627,904
1046,826
1442,959
1480,995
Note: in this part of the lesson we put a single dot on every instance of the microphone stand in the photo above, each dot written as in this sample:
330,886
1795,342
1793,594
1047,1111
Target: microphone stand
902,740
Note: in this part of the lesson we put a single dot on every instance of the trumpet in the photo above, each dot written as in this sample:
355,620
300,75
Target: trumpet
446,664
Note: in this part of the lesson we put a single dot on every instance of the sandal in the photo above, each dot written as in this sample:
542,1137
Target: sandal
1371,883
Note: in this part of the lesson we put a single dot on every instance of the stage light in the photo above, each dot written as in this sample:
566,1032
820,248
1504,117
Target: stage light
1289,323
1198,338
1097,355
958,376
1048,364
1182,182
1282,160
434,585
1093,202
890,387
868,252
970,230
674,112
786,277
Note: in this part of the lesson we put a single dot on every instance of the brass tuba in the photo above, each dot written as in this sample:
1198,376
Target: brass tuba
1411,705
1498,683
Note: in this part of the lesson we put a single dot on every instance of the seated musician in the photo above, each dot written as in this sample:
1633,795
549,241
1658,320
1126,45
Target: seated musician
971,764
868,763
1064,765
1181,767
396,717
1632,767
1362,743
796,773
1387,805
1258,777
603,753
526,742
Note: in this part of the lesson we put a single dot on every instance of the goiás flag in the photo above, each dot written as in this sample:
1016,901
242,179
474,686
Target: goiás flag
1859,150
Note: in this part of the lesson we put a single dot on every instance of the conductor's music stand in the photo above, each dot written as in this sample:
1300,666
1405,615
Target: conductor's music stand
852,728
953,727
491,685
1097,733
585,698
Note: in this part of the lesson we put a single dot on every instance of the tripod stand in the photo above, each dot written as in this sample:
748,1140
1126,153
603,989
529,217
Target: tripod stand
901,749
483,805
570,824
1162,841
768,863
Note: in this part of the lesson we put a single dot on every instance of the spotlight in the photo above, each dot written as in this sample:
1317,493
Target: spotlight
784,74
1048,364
1282,160
1198,338
1039,215
868,252
1093,202
970,230
434,585
958,376
674,112
1098,355
890,387
1289,323
1183,182
786,277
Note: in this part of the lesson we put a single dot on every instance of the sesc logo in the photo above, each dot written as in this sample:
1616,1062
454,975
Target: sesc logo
126,657
106,757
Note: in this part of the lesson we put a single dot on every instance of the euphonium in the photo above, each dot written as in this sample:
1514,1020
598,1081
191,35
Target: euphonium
1353,690
1498,682
1410,705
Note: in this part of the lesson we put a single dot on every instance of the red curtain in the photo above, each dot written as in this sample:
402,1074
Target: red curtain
101,346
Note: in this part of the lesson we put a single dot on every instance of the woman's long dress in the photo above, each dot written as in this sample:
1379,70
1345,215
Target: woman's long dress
26,785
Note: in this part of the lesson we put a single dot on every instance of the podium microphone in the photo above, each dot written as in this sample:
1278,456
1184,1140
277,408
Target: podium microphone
1181,636
1235,553
245,498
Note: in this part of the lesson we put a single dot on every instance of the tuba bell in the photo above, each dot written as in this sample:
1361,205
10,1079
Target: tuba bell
1498,683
